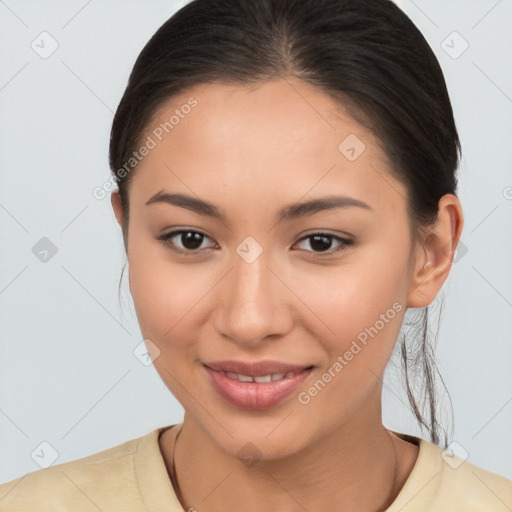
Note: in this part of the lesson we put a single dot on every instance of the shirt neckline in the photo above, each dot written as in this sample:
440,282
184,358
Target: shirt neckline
154,483
157,490
427,466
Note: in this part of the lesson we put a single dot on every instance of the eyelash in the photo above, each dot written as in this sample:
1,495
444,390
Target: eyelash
166,241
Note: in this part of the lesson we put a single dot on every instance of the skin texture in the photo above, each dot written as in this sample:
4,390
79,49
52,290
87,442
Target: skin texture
251,150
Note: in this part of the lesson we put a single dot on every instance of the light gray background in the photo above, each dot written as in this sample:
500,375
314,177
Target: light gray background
68,373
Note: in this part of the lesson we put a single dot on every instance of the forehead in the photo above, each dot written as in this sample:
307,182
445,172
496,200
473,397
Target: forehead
281,139
278,112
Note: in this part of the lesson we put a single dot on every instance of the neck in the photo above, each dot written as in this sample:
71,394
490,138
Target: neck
355,467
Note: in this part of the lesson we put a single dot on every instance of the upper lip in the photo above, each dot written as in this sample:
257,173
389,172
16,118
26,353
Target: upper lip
256,369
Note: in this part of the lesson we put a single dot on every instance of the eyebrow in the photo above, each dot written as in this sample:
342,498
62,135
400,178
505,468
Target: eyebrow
293,211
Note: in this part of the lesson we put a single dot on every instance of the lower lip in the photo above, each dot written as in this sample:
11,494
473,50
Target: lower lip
255,395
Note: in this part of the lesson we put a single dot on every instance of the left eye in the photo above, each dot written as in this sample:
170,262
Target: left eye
321,241
192,241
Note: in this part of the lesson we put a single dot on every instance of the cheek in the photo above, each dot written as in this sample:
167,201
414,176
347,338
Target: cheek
361,320
165,298
166,295
155,291
359,307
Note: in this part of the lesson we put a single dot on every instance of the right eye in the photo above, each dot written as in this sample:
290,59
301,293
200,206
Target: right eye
190,240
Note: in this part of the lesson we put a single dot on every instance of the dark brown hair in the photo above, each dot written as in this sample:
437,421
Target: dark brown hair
366,54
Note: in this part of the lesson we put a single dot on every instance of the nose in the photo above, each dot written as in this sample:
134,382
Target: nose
254,302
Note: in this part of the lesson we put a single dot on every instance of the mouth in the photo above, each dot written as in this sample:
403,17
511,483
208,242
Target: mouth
256,369
258,388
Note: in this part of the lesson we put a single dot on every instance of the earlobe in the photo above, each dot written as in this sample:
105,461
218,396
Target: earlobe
435,253
421,282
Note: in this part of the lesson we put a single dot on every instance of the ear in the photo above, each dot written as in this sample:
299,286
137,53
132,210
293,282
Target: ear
117,205
434,253
115,200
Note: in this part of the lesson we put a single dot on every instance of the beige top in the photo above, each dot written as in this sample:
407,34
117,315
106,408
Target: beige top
132,477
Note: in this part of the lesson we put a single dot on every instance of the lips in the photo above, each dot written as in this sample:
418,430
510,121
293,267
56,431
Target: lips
255,369
242,384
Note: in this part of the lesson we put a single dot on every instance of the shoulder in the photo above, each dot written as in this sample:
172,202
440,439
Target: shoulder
464,482
84,484
441,481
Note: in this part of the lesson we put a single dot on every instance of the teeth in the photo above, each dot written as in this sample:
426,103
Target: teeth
236,376
263,378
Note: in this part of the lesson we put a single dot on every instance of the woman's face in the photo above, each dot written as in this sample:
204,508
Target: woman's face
250,285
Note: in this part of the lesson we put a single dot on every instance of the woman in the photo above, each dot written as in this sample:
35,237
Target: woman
286,175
